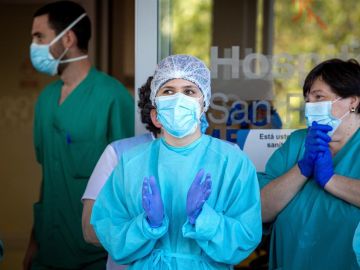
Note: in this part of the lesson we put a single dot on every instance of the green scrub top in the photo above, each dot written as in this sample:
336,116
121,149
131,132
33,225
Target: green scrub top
227,230
69,139
315,230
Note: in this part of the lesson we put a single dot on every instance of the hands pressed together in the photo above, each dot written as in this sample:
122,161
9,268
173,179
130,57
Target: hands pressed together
152,203
317,159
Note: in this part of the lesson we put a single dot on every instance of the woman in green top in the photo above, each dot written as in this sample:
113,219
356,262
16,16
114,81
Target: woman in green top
310,188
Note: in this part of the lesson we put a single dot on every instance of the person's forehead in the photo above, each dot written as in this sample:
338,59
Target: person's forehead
180,83
320,85
41,24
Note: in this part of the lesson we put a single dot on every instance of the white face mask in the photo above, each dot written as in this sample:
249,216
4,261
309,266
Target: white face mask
321,113
42,59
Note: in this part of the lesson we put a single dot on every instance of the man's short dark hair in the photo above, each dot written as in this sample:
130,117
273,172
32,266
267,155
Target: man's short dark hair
61,14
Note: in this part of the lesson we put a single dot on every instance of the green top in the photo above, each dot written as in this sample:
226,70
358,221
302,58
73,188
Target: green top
69,139
315,230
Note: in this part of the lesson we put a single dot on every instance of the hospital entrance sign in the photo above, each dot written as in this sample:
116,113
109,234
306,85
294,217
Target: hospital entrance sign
260,144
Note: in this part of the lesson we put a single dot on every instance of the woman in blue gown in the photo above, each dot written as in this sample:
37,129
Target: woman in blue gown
310,189
186,200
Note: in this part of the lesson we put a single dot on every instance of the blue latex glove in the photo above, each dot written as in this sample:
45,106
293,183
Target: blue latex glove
316,141
323,169
152,202
198,193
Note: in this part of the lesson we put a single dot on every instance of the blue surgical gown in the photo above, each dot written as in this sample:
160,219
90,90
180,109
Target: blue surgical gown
227,230
315,230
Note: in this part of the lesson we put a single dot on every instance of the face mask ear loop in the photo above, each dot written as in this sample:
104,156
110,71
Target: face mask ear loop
345,114
63,54
342,117
74,59
336,100
59,36
202,108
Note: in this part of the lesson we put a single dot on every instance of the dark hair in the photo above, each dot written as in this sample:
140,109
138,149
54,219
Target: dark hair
343,77
62,14
146,106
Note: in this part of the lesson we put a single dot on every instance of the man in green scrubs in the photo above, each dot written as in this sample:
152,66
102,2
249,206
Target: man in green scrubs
75,118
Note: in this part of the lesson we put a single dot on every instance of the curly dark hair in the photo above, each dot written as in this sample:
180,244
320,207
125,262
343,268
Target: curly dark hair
145,107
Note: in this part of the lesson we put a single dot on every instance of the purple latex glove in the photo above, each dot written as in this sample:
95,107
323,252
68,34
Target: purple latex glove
198,193
316,141
152,202
323,169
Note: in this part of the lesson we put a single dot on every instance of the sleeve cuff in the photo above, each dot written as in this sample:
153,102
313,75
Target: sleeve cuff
263,179
205,226
154,233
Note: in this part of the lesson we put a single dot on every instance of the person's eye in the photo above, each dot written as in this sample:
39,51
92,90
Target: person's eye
36,38
319,97
167,92
189,92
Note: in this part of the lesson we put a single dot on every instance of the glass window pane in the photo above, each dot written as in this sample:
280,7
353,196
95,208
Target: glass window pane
259,53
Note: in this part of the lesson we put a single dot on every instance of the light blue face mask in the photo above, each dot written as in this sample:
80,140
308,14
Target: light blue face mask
42,59
179,114
321,113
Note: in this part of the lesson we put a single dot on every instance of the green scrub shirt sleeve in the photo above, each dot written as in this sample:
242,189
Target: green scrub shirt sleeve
111,220
230,236
37,142
121,117
37,133
281,161
273,169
